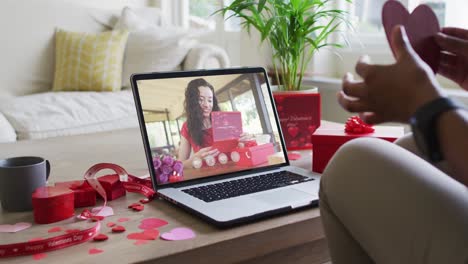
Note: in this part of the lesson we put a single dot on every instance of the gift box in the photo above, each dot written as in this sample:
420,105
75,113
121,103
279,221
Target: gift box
84,194
330,136
253,156
227,128
113,186
299,114
52,204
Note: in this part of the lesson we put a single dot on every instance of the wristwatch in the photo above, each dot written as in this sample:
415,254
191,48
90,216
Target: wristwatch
424,126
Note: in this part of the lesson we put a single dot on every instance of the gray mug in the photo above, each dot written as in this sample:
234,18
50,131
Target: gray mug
19,177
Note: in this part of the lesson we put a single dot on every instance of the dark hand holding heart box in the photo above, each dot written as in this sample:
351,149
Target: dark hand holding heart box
330,136
299,114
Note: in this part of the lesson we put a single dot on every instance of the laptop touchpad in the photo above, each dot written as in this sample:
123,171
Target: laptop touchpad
283,196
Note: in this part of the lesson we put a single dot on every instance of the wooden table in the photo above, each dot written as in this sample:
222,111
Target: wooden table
293,238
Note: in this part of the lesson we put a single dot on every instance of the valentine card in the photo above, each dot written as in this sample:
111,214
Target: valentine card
299,114
421,26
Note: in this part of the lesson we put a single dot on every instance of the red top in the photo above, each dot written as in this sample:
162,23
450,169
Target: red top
207,137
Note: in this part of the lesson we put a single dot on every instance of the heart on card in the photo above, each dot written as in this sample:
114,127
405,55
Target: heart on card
151,223
149,234
293,131
54,229
180,233
421,26
14,228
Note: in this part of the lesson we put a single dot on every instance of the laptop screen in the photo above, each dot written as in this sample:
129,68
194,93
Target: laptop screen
206,123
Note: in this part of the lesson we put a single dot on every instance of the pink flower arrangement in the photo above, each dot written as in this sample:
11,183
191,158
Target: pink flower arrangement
167,169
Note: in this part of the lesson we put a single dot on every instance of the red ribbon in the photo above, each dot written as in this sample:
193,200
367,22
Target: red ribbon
130,183
53,243
355,125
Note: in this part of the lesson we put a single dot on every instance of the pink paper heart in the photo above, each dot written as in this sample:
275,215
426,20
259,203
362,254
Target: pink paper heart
106,211
93,251
123,219
180,233
150,223
140,242
421,26
14,228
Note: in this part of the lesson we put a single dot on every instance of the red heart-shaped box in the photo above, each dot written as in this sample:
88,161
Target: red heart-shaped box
84,194
52,204
421,26
113,186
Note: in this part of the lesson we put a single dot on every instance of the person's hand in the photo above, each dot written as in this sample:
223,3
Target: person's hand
205,152
454,56
390,92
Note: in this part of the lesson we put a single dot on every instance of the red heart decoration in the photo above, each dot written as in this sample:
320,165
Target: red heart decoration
421,26
110,224
123,219
100,237
141,242
55,229
293,131
312,129
294,143
118,229
39,256
95,251
151,223
150,234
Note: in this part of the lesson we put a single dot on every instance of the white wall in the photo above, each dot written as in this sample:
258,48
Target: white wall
110,4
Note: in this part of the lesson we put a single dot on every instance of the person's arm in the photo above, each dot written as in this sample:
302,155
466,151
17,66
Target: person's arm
452,131
184,152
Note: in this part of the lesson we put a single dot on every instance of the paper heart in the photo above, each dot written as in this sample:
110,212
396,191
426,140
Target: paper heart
14,228
110,224
93,251
180,233
39,256
140,242
151,223
100,237
421,26
54,229
312,129
150,234
294,155
123,219
293,131
118,229
106,211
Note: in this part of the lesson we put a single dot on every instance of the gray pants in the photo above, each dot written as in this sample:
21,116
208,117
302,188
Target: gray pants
381,203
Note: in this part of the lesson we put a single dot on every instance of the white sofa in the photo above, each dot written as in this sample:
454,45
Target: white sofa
28,107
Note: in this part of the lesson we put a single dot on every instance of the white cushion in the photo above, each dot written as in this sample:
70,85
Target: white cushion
152,46
69,113
7,133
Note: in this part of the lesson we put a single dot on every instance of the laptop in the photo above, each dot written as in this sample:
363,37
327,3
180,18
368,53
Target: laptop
222,129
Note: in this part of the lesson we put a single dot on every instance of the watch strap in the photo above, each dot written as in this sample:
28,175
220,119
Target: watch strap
427,116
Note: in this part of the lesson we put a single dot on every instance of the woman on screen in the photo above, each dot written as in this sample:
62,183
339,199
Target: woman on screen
197,133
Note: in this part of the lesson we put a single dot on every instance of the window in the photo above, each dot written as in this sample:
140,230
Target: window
201,15
369,37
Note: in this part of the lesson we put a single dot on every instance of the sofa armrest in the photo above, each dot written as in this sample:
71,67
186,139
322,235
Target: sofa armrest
206,56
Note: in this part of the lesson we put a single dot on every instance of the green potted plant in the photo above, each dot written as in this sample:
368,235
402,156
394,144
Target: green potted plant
295,30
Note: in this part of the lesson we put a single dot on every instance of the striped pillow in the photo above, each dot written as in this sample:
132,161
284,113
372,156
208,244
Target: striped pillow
89,62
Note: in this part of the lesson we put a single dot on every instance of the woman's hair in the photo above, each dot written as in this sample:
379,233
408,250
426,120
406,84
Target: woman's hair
193,109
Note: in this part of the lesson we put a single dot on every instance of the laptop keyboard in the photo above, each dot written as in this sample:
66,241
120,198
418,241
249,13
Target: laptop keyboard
229,189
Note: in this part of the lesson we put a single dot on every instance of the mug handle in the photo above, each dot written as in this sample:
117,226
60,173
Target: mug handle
47,169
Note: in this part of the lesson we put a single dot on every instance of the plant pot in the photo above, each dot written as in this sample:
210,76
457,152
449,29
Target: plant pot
299,114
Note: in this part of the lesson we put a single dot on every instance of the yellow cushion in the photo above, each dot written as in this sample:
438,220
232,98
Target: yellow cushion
89,62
